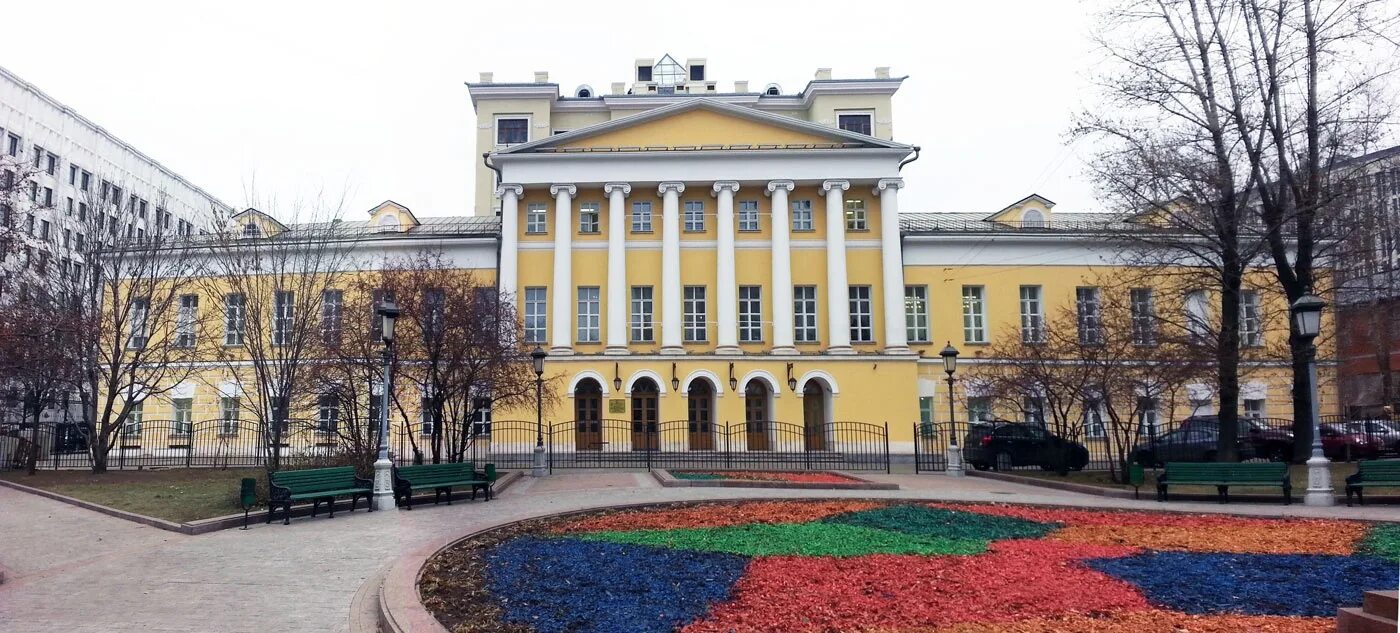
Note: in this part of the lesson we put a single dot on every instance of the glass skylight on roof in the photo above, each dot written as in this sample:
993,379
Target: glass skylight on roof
667,72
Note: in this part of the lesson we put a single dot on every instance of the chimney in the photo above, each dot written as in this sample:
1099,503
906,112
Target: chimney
882,72
823,73
619,87
541,76
486,77
741,86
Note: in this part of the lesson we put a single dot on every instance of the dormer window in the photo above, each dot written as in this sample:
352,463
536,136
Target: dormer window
772,90
251,230
858,122
584,92
1032,219
697,72
644,73
512,130
389,224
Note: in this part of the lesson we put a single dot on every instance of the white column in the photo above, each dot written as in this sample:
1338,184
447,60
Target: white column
838,307
782,268
671,334
727,299
617,266
892,265
510,237
562,321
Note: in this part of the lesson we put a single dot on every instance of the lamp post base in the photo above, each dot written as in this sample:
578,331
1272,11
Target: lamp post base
955,462
1320,491
537,467
383,498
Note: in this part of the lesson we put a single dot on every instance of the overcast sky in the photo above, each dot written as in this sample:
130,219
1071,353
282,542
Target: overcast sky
291,98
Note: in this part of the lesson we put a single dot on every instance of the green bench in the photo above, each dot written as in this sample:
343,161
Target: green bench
1375,475
441,478
316,484
1222,475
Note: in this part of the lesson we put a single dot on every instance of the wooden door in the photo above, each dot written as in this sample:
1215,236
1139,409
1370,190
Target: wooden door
700,407
756,415
814,416
644,416
588,416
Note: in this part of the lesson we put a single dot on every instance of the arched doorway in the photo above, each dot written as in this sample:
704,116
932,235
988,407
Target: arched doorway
700,409
588,415
814,415
756,415
644,415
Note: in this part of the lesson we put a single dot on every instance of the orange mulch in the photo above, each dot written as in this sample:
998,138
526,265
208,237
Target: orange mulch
1280,537
716,515
1151,621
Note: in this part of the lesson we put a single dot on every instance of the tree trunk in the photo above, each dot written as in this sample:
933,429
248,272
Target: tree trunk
1228,356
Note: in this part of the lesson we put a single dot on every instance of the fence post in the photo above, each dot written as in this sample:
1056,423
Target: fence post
549,455
917,437
728,455
887,447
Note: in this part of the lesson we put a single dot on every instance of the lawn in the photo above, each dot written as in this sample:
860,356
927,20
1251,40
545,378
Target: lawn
1297,472
178,495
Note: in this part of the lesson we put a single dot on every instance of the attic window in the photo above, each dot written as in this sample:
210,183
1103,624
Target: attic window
584,92
250,230
389,223
772,90
1032,219
644,73
697,72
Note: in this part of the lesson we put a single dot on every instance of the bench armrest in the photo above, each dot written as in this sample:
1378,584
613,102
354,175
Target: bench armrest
278,493
364,483
1354,478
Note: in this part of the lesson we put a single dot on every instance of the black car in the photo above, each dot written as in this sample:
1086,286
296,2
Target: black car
1196,443
1005,445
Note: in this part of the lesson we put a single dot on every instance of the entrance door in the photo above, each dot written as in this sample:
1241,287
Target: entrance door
756,415
814,415
644,415
588,415
700,407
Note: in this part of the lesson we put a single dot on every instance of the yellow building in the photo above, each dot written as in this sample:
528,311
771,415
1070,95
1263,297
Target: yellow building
708,267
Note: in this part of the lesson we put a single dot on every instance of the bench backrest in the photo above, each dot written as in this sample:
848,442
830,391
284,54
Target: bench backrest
433,473
1271,472
1388,469
315,479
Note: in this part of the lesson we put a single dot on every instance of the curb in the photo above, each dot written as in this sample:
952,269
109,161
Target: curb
1151,493
667,480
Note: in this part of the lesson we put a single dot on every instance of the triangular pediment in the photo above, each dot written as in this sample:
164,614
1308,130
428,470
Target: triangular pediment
390,216
1030,209
700,124
251,222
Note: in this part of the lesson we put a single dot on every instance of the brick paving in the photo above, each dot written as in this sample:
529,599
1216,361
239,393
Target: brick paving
70,569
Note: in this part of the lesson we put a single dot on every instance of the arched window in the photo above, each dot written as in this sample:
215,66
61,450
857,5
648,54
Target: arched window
1032,219
772,90
389,223
584,92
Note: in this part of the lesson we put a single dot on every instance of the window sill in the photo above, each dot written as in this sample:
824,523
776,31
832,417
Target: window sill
646,232
590,232
851,230
695,231
750,230
804,230
977,342
537,232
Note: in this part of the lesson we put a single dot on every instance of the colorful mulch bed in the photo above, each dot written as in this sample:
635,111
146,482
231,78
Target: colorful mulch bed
905,567
760,475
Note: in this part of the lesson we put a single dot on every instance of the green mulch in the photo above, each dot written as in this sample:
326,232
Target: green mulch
178,495
806,539
698,476
950,524
1383,541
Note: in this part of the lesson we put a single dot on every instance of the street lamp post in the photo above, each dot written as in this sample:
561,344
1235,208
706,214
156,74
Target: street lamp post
383,468
537,468
950,366
1307,320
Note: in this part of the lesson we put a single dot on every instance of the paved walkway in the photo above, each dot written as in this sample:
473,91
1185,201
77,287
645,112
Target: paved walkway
69,569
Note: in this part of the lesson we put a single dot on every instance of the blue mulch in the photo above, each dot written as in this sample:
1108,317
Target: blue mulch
559,585
1253,584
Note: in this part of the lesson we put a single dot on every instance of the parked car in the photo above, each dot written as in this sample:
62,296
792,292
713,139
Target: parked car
1196,443
1349,441
1387,432
1005,445
1273,444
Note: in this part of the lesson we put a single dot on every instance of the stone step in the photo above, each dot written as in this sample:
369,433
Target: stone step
1381,603
1354,620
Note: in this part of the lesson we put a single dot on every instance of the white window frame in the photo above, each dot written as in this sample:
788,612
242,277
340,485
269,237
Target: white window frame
916,314
857,218
748,216
1032,314
182,410
283,317
1091,418
1142,304
801,215
589,310
139,329
588,217
693,216
536,218
643,323
332,316
1088,309
641,216
695,311
750,314
804,315
536,300
862,314
1148,417
134,417
868,114
979,408
1253,408
1251,319
185,319
229,411
974,301
496,128
327,415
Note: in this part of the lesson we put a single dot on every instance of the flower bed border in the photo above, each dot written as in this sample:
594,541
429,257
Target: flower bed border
667,480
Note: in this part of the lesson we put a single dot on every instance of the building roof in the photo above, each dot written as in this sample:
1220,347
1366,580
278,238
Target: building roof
929,223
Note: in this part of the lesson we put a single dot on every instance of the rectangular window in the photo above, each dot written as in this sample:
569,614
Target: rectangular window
696,327
332,316
283,317
184,414
588,217
916,314
481,416
48,197
642,311
426,417
1254,408
750,314
926,427
233,319
1198,316
1093,419
511,131
44,228
38,156
1032,315
140,317
697,72
694,216
535,217
1147,416
804,314
979,408
1086,307
588,327
856,219
72,174
748,215
801,215
1033,408
1144,316
862,319
535,315
134,416
51,167
854,122
1251,330
434,309
13,148
185,321
327,413
974,314
86,181
641,217
228,415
